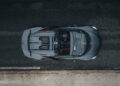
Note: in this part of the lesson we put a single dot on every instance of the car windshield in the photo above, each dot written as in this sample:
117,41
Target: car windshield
79,43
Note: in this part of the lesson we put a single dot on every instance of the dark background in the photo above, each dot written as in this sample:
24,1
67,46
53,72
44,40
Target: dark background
18,15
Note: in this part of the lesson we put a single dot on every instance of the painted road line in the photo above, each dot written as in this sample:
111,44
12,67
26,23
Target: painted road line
19,68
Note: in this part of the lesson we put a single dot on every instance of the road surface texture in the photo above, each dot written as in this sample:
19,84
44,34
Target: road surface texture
60,78
15,17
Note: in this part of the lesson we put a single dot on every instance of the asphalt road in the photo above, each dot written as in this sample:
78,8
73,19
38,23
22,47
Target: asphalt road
15,17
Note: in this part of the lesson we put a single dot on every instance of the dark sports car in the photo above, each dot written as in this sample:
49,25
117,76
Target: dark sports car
61,42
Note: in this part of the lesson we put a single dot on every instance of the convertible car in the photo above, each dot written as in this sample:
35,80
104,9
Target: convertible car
57,42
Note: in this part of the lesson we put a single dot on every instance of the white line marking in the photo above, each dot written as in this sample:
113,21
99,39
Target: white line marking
21,68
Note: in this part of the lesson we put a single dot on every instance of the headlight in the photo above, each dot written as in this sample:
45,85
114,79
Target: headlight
94,57
94,27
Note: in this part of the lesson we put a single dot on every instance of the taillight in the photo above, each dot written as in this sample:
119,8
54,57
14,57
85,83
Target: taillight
43,54
43,31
